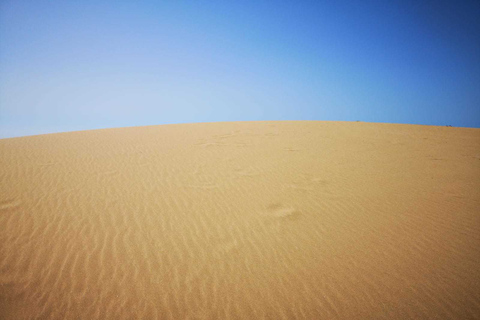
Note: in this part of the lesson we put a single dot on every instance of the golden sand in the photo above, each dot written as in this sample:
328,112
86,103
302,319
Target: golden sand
242,220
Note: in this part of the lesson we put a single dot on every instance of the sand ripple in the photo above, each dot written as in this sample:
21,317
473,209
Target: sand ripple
253,220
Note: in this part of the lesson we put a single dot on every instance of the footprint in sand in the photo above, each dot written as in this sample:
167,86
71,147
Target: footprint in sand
211,144
247,172
280,212
227,135
8,205
307,183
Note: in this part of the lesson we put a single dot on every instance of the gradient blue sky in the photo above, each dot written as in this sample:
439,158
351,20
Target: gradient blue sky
77,65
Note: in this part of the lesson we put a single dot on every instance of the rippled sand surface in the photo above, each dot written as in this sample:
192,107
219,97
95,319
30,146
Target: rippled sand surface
242,220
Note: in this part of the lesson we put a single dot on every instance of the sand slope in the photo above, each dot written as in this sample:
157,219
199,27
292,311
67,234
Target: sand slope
246,220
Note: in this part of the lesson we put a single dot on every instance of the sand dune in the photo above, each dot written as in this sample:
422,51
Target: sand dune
242,220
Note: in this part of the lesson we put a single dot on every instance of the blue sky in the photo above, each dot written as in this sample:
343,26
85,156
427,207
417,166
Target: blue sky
78,65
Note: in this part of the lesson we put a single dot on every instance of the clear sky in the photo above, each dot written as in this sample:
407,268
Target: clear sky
77,65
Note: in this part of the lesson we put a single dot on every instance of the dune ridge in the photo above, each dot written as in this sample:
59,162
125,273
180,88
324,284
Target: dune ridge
242,220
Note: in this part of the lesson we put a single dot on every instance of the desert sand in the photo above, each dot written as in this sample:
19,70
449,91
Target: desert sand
242,220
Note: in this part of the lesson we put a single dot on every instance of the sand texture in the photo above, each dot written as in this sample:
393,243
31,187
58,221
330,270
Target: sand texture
242,220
